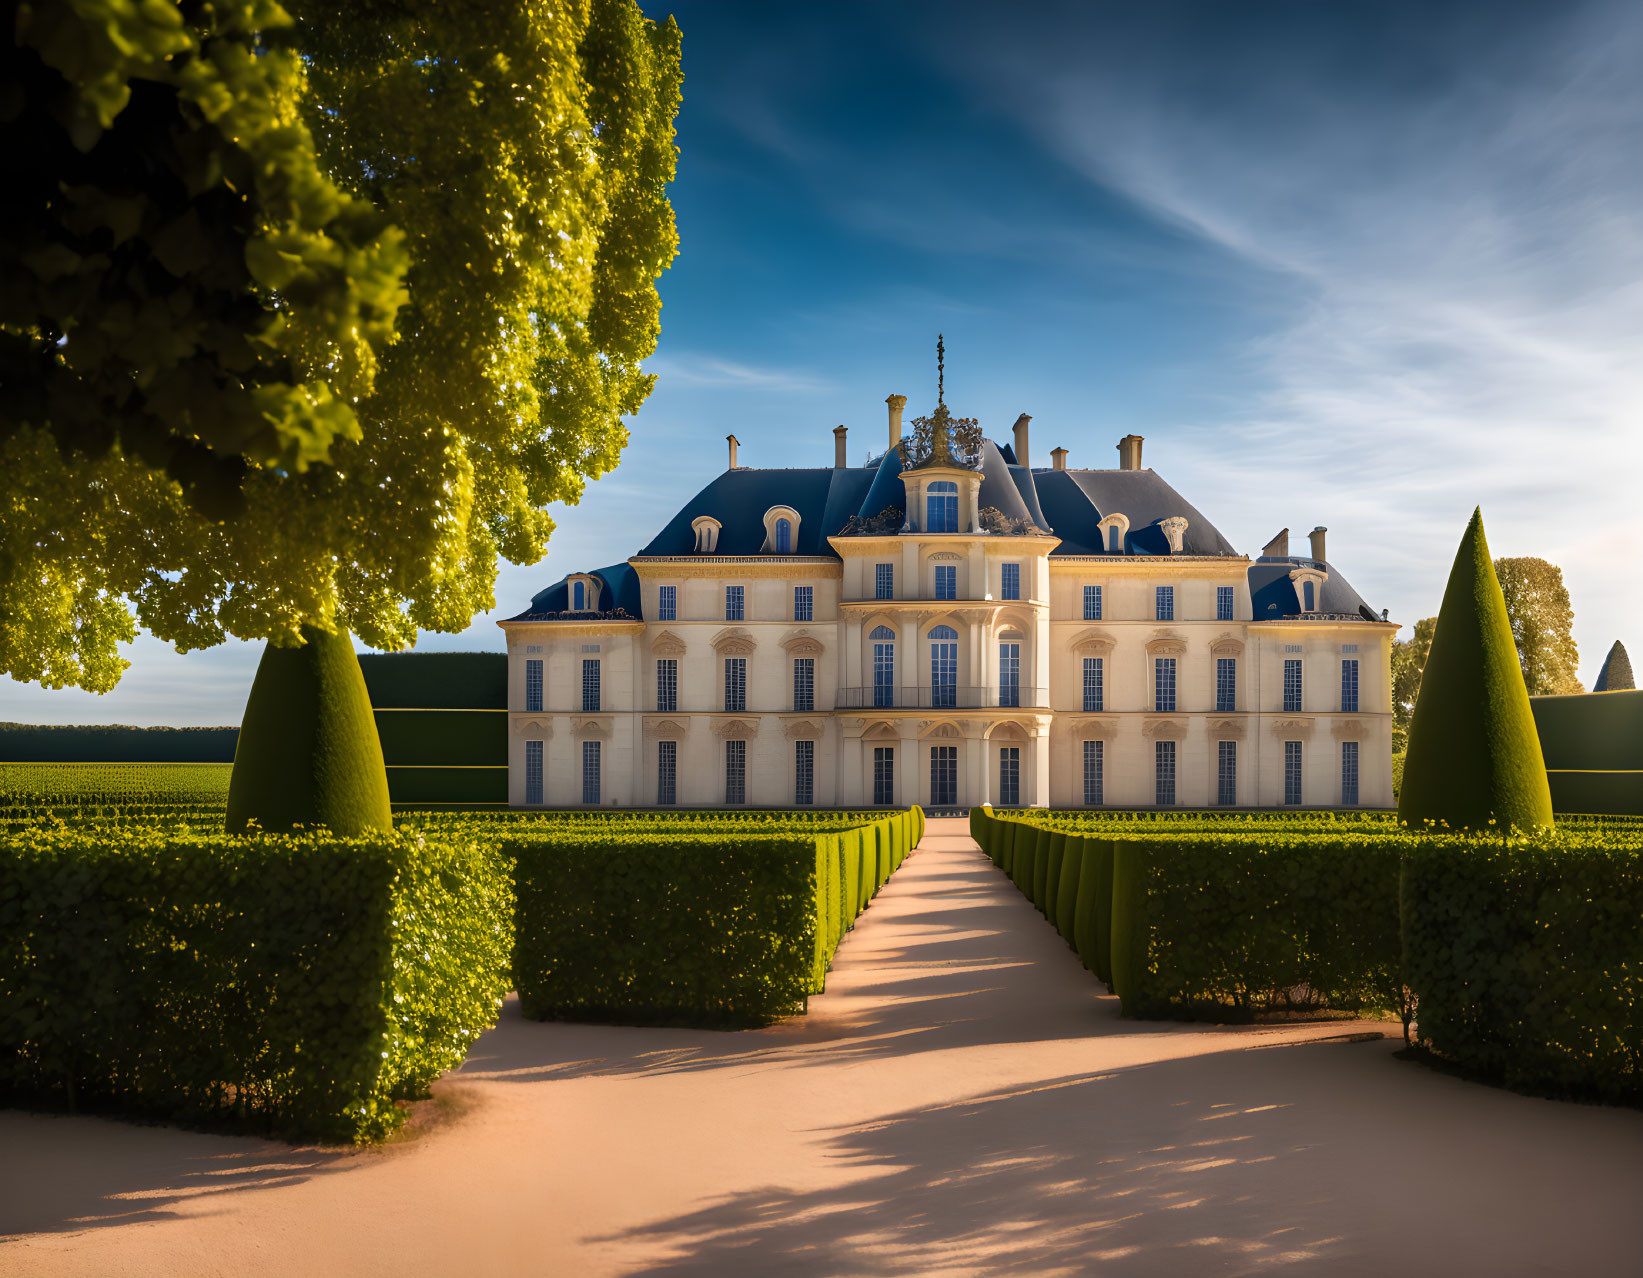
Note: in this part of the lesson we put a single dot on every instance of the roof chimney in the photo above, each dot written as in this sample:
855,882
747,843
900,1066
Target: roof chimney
733,442
897,403
1021,424
1058,458
1317,536
838,448
1278,547
1129,452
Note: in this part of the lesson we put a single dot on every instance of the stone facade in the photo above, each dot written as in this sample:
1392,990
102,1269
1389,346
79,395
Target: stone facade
1084,656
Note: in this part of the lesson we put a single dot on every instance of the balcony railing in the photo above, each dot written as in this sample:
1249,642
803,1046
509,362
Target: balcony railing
942,698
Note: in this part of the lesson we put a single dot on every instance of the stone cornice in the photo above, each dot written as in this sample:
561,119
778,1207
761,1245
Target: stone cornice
668,568
575,627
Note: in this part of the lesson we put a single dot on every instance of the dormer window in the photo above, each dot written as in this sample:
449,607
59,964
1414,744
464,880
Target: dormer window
1174,529
1114,528
781,530
941,507
706,529
784,536
583,594
1309,587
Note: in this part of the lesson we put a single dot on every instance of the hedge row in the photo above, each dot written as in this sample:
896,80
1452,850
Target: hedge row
689,926
300,985
1522,960
114,743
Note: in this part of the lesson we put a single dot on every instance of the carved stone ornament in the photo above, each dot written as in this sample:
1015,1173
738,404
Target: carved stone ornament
666,729
667,644
1228,645
733,642
801,643
1349,729
1164,728
1227,729
587,726
1166,643
1292,729
1174,528
944,557
881,730
1094,730
937,728
737,729
533,728
1093,643
801,729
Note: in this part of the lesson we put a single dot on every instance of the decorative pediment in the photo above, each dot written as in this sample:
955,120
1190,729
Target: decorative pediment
1093,643
667,729
881,730
1174,528
938,728
944,557
735,729
1166,643
533,729
1349,729
733,641
1094,730
1007,730
1164,728
801,643
587,726
802,729
1227,645
1227,729
667,644
1292,729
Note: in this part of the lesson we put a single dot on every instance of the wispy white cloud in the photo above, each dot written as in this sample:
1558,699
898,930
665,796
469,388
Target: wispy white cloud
684,368
1471,259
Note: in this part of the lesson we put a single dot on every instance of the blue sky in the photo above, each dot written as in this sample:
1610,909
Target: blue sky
1362,265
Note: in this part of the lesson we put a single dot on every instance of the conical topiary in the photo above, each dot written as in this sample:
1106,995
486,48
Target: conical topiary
1616,675
308,752
1473,751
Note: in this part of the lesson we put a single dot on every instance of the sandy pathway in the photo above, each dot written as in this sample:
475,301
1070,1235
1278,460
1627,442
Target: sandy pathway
961,1100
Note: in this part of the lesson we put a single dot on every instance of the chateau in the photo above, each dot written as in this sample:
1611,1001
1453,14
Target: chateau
949,625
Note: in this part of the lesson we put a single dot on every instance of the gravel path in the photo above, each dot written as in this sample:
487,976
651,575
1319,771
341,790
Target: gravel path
963,1099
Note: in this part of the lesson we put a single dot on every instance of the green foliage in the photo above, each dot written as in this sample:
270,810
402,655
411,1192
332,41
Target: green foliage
70,784
1066,891
516,156
1616,674
114,743
1474,758
299,985
447,786
1527,960
1593,747
1052,874
1542,618
308,752
651,922
1408,666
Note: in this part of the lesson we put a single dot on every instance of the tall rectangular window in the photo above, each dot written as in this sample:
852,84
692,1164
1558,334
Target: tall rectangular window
804,683
590,685
533,685
735,683
1226,684
943,775
1095,694
734,599
804,773
884,671
1226,787
1292,772
1009,674
1349,774
667,603
1163,685
884,581
1349,686
533,773
1163,781
1009,776
943,667
590,772
1292,685
804,603
1164,603
667,685
1092,603
1010,582
1223,603
735,773
667,773
1095,767
884,775
946,581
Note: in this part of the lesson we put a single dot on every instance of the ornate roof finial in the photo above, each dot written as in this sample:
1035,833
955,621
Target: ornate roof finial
941,371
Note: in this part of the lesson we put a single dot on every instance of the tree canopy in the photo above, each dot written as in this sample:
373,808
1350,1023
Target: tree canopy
1408,665
1474,755
403,258
1542,624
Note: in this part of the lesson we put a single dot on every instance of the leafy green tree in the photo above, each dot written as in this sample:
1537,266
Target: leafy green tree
376,434
1474,755
1408,665
1542,624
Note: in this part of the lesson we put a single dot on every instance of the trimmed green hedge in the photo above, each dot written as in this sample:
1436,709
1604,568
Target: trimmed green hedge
688,926
1528,961
114,743
437,786
437,680
1593,744
298,985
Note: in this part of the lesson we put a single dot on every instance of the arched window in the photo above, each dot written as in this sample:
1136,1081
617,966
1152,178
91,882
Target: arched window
941,507
884,666
784,537
579,597
943,667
